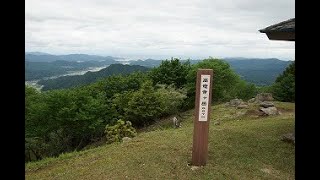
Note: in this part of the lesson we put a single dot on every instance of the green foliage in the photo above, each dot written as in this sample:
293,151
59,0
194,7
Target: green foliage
65,119
35,113
143,107
264,89
120,103
224,80
121,129
147,104
244,90
171,72
284,87
78,114
171,99
35,148
120,83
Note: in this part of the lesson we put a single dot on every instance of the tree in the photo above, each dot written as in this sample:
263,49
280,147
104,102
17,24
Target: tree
244,90
284,87
143,108
171,72
224,80
119,84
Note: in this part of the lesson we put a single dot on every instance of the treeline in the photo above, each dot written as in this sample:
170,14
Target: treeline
65,120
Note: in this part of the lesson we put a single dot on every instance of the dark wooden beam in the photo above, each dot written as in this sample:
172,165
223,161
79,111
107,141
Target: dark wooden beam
287,36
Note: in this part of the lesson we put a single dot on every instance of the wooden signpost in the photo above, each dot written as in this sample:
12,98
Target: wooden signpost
202,117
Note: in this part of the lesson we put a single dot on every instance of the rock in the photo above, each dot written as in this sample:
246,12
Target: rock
195,168
235,102
270,111
242,106
216,123
252,100
126,139
290,138
266,104
176,122
264,97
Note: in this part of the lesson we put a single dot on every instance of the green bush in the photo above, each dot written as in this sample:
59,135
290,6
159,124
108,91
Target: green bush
284,87
171,99
143,107
121,129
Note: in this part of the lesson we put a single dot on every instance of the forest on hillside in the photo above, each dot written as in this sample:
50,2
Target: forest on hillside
59,121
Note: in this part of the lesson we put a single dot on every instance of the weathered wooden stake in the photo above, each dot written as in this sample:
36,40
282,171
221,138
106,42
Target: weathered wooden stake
202,117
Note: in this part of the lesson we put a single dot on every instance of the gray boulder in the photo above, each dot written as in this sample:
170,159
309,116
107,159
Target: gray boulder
269,111
290,138
242,106
266,104
235,102
252,100
264,97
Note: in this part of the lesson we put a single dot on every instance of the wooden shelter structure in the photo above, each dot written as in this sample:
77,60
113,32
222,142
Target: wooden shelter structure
281,31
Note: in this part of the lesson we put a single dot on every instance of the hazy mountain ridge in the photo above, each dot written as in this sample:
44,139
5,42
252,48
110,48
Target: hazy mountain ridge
44,57
258,71
89,77
40,70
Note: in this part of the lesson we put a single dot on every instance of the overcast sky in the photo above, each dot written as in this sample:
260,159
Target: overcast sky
158,29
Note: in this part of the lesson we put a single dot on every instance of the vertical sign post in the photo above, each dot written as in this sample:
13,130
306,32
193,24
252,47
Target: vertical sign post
202,117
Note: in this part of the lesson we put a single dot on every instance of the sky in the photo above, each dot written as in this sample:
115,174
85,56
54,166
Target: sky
159,29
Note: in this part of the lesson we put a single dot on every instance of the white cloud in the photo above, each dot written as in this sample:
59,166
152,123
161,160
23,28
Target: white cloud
158,29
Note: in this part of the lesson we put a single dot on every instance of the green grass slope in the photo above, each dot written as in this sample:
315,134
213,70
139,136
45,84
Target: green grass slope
243,146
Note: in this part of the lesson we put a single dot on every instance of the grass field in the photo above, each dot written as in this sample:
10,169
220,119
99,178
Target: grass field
243,146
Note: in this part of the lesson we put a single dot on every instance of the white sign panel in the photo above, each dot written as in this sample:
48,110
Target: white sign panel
204,97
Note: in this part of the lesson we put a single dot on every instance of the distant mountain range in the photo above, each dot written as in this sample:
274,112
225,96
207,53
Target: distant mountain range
89,77
45,57
39,65
258,71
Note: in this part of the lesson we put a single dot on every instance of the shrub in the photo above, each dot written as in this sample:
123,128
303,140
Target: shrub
121,129
143,107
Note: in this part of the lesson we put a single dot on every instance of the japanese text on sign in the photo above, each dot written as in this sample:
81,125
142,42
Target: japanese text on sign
204,97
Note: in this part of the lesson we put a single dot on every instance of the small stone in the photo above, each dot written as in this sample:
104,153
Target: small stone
290,138
126,139
216,123
195,168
